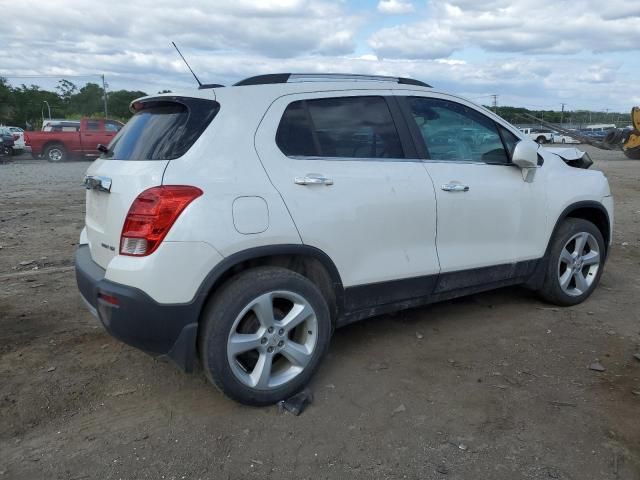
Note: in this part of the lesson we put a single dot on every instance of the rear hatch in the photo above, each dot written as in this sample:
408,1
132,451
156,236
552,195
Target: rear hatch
162,129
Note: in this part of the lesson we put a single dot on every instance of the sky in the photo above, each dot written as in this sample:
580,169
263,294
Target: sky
536,54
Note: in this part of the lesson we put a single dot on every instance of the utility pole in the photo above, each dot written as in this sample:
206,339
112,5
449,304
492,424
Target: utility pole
562,113
44,102
104,96
495,103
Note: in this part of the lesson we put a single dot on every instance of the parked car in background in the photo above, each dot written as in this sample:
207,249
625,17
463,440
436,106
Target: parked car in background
58,144
18,138
241,225
539,135
6,141
560,138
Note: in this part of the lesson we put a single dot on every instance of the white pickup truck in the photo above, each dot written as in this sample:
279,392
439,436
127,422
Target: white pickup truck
540,135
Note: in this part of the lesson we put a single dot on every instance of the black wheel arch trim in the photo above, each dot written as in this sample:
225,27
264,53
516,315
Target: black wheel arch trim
537,278
582,205
255,253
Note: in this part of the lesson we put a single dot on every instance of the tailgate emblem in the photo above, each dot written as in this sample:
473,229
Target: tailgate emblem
95,182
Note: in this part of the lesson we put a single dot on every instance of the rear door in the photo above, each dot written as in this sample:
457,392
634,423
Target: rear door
488,216
353,188
163,129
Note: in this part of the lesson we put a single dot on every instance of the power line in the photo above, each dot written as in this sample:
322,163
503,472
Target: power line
51,76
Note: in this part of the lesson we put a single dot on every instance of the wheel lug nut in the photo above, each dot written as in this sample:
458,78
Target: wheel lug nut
280,343
270,330
263,340
270,349
281,331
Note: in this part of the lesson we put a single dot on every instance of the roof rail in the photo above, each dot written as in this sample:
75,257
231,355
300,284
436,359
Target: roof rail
324,77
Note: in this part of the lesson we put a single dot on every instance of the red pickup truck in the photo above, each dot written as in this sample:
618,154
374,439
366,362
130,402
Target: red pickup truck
58,146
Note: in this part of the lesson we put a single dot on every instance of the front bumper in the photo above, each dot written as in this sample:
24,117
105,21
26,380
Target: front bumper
133,317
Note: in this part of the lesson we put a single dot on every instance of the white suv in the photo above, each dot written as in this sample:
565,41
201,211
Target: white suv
241,225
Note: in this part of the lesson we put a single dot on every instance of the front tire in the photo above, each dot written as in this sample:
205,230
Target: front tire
55,153
264,334
575,262
541,140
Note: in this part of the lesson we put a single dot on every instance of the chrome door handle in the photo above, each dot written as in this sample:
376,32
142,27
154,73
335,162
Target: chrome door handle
455,187
313,179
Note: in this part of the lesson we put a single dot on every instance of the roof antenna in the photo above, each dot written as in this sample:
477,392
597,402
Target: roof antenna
187,64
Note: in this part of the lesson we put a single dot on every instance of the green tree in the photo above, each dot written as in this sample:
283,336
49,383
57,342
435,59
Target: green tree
88,101
119,102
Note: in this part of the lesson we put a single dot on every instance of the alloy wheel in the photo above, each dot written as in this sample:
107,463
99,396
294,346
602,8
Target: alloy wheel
272,340
578,264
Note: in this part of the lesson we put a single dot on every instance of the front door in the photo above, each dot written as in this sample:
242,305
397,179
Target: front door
488,215
341,167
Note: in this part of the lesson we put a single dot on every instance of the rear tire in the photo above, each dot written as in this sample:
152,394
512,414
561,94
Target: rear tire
263,335
575,263
55,153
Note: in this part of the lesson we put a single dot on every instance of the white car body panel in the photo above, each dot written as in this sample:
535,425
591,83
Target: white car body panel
376,222
224,164
171,274
106,211
482,219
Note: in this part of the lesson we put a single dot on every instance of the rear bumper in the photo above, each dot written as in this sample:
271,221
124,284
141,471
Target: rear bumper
159,329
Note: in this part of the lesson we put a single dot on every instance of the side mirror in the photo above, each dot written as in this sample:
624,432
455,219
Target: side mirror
525,154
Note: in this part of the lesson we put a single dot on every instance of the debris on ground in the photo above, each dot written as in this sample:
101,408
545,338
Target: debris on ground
297,403
122,392
463,447
375,367
442,469
636,356
419,336
562,404
597,367
401,408
51,369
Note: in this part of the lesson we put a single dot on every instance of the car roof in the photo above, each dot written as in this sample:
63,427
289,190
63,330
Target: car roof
278,84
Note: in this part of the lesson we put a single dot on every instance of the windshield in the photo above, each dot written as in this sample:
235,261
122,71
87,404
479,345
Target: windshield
162,129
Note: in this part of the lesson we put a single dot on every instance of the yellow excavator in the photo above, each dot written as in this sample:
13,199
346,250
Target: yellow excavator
625,139
631,144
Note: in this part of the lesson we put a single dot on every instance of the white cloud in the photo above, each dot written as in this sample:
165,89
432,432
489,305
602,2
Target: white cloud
531,52
395,7
526,26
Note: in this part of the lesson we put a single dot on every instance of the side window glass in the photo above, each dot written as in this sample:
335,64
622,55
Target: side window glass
509,140
355,127
294,135
112,127
93,126
454,132
345,127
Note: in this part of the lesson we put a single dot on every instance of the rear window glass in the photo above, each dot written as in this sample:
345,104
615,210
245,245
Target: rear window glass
163,129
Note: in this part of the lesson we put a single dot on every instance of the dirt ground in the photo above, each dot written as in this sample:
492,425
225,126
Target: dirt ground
493,386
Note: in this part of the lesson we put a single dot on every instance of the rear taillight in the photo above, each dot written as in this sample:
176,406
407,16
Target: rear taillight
151,216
